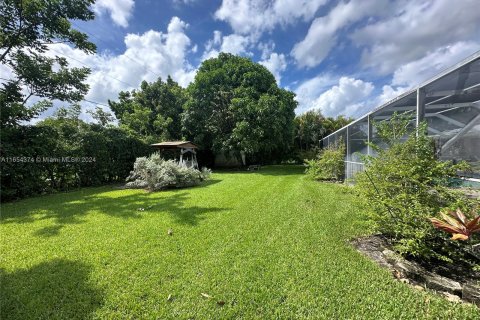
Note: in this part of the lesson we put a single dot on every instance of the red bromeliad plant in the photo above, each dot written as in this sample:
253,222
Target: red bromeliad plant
457,224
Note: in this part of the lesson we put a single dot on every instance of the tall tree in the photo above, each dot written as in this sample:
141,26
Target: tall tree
235,105
312,126
153,112
27,29
309,129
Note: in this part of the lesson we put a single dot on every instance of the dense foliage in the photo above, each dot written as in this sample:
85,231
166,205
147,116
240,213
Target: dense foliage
235,105
404,185
153,112
155,173
329,164
29,28
64,152
312,126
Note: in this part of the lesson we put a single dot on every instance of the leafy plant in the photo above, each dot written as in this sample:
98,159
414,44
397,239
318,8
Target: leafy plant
235,105
329,164
404,184
154,173
461,227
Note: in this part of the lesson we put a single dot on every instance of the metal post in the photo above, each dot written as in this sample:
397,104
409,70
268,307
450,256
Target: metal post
369,135
420,107
347,144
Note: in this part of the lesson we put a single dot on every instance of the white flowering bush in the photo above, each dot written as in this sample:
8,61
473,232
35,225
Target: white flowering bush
154,173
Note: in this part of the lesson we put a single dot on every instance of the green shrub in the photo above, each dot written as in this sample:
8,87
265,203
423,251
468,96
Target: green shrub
404,185
154,173
329,164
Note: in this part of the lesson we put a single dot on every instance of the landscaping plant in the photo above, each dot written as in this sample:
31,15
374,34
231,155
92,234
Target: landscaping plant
155,173
329,164
458,224
403,185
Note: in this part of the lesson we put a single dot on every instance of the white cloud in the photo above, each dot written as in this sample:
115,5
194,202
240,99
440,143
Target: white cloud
418,71
257,16
415,28
276,64
146,57
5,73
414,73
322,35
120,10
233,43
310,89
347,97
266,48
388,93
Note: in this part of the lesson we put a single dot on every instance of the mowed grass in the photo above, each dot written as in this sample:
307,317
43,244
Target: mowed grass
262,245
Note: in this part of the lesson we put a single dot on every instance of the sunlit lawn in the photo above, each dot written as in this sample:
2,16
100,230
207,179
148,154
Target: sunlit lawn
261,245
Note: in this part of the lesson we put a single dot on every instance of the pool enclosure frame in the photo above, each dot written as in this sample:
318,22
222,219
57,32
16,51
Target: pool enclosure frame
448,102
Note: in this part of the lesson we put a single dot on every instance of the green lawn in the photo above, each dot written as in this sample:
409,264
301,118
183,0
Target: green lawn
269,244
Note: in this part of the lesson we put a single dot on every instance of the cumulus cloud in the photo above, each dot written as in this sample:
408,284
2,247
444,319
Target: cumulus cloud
233,43
257,16
147,56
310,89
323,32
414,73
388,93
415,28
347,97
120,10
276,64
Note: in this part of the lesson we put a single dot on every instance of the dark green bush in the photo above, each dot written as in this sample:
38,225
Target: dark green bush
404,185
329,164
99,155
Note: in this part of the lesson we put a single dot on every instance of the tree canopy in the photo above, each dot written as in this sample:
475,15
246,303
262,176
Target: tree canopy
312,126
153,112
28,28
235,105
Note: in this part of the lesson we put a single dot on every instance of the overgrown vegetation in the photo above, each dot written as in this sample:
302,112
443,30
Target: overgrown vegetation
310,127
63,152
404,185
329,164
154,173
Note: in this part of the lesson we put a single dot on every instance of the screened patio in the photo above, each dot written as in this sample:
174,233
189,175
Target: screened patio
449,103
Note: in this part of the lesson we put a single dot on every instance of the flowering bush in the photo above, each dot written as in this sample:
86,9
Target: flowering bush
154,173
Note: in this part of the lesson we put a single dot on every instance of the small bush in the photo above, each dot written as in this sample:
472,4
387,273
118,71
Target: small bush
329,164
154,173
405,185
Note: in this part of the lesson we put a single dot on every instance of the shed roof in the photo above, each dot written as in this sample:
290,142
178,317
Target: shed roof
175,144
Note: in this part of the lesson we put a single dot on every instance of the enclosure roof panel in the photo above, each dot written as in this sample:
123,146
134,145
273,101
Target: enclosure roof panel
450,88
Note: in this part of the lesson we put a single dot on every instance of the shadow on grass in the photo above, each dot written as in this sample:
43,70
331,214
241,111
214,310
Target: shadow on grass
58,289
72,208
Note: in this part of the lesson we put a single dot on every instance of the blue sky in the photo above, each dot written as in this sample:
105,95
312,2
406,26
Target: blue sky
342,57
